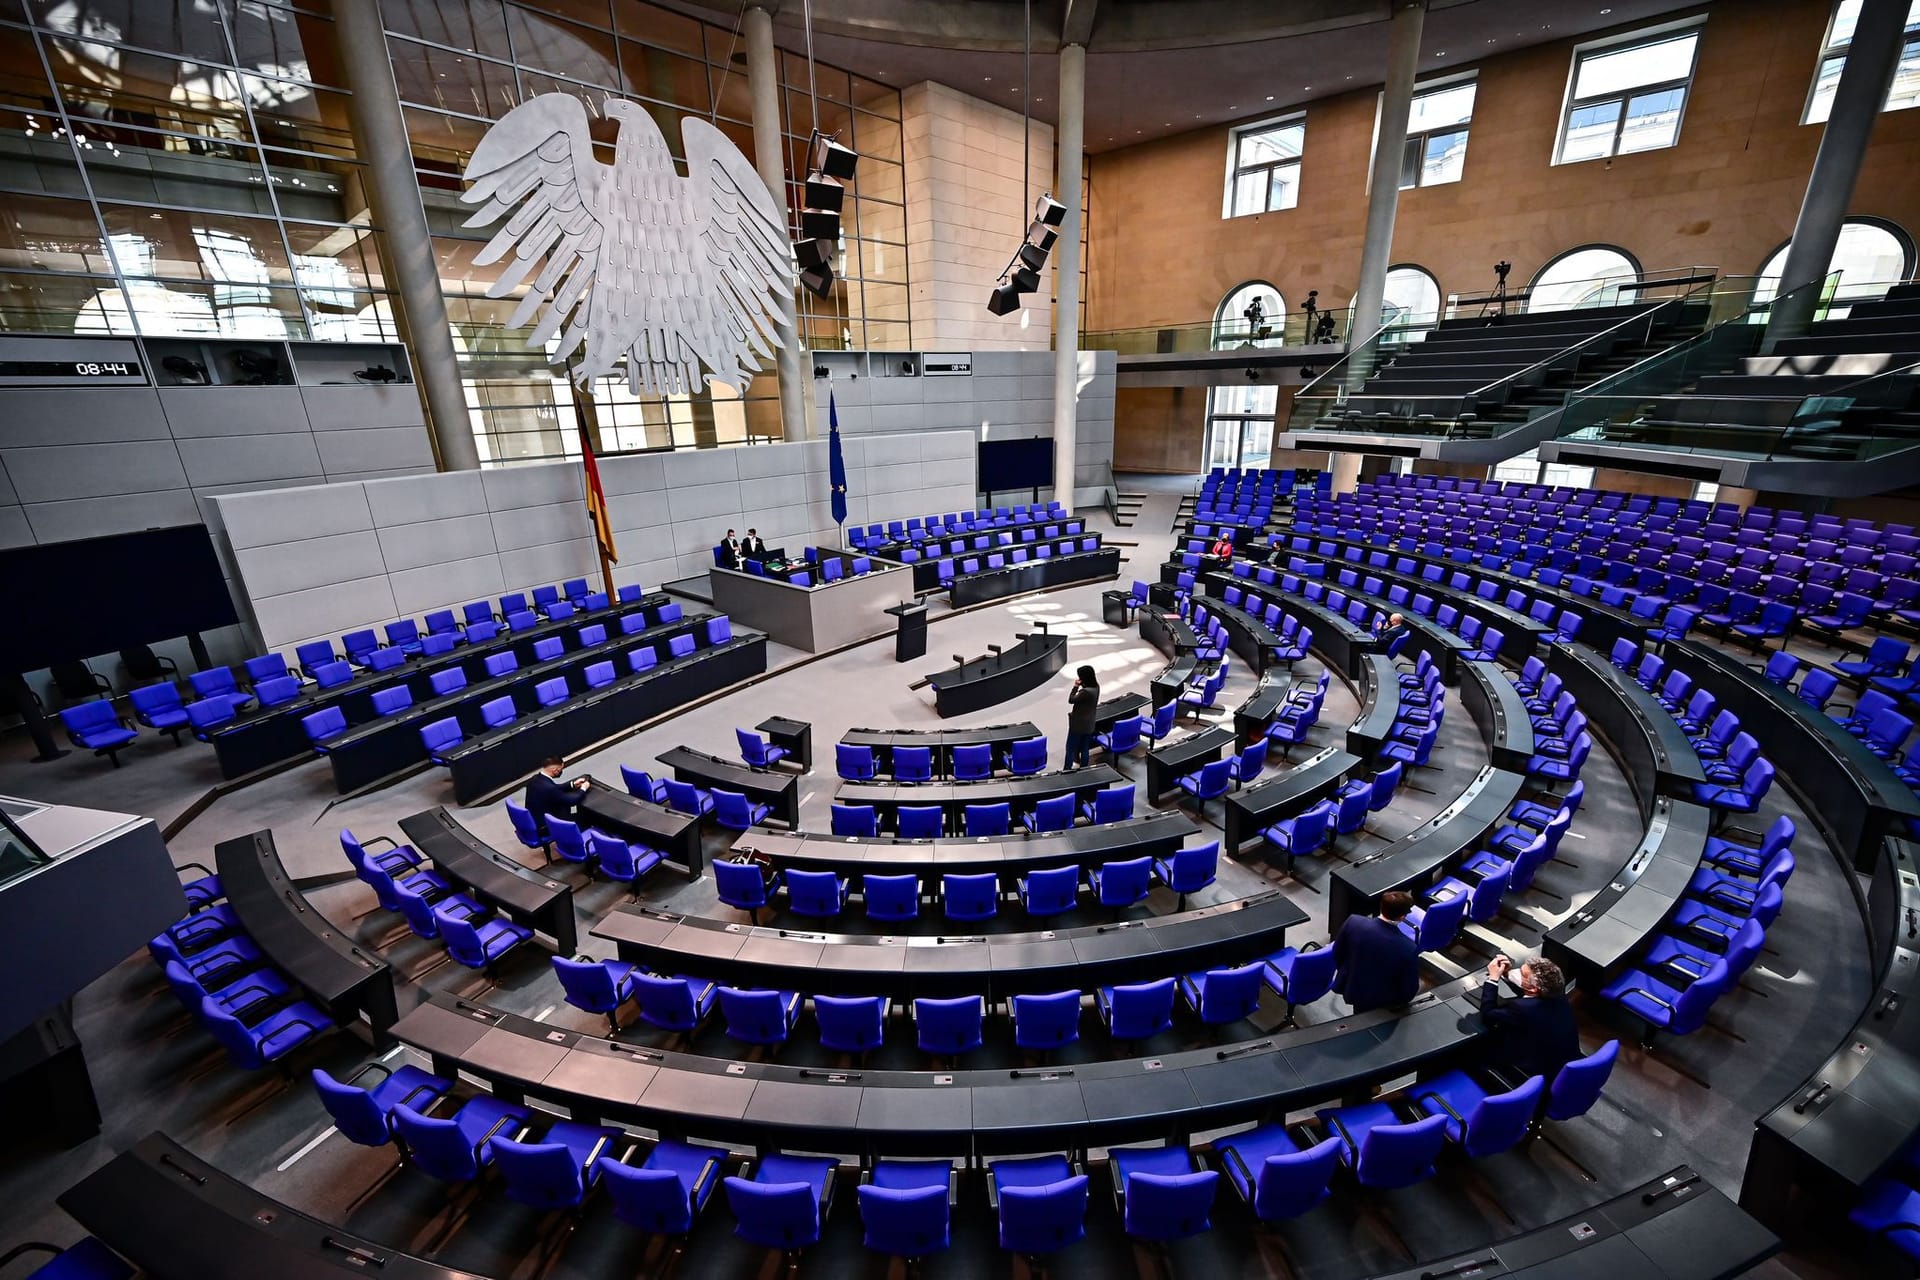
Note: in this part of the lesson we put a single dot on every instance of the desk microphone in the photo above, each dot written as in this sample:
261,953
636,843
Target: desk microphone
994,649
959,660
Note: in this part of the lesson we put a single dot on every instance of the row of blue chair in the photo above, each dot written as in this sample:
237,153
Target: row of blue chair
474,936
975,564
973,762
928,822
920,528
1738,776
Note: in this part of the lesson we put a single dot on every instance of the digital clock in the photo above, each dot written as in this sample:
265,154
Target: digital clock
116,369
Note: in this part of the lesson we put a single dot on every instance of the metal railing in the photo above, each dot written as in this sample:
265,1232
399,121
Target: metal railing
1229,333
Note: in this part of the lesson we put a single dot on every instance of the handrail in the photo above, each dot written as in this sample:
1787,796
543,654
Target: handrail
1353,349
1603,387
1646,317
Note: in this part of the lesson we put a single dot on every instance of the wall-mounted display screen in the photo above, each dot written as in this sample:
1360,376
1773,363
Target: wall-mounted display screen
1016,464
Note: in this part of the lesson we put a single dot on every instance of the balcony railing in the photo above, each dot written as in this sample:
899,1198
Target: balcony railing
1235,333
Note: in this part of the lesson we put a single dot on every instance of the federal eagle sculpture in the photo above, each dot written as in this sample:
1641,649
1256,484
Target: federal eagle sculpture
634,261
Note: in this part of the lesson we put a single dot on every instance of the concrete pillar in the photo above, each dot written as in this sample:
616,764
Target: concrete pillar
770,158
1383,194
1346,471
1865,78
1066,270
381,135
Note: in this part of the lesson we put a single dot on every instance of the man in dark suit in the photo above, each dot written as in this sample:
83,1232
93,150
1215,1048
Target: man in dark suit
1376,964
546,794
1537,1033
753,548
1389,633
730,551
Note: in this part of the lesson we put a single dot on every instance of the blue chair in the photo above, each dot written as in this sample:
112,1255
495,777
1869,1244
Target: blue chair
558,1171
551,692
441,622
459,1148
498,713
1041,1201
891,897
856,820
920,821
1478,1122
281,690
1210,782
363,1113
643,784
477,942
1109,804
815,893
948,1027
404,635
443,683
95,726
1189,870
970,897
781,1202
987,818
906,1208
1052,814
684,797
973,762
1220,996
1379,1149
1304,833
1890,1209
1273,1175
621,861
1121,884
1300,976
209,714
1579,1084
745,886
1043,1023
665,1193
732,810
758,1016
569,840
855,764
386,702
1123,737
329,675
1161,1193
218,682
1028,756
1161,726
1660,1006
1433,928
1050,891
913,764
756,751
674,1004
251,1046
597,986
315,654
158,706
851,1024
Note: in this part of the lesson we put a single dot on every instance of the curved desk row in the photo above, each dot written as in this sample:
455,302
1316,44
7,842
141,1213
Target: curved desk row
1593,944
926,570
387,745
1157,835
335,972
778,790
994,966
492,761
1854,1118
764,1106
674,834
1499,712
1652,749
268,735
1248,636
978,683
1251,810
518,892
1174,636
1251,718
1377,685
939,742
1335,637
1853,794
1034,575
1423,855
953,797
1444,646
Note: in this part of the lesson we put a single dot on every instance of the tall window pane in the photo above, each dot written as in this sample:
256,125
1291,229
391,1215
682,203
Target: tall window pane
1905,90
1263,170
1627,97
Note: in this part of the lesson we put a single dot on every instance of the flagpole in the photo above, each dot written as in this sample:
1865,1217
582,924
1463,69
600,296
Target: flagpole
586,444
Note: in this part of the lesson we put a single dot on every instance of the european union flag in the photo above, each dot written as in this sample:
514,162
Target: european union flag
836,462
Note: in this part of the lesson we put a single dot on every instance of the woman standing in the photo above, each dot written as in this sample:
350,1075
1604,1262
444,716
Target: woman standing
1081,704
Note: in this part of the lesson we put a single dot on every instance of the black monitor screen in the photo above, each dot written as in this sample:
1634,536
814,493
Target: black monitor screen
1016,464
76,600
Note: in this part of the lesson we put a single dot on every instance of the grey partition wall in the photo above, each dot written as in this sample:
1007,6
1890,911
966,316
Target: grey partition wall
816,618
315,562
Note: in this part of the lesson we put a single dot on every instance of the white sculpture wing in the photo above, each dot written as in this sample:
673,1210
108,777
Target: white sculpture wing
539,156
734,321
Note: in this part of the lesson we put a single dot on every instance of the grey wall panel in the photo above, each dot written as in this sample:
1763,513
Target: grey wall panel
430,542
290,515
773,491
288,567
373,449
707,466
7,495
636,473
351,408
80,415
523,527
94,470
287,619
637,511
542,484
238,459
699,501
430,497
194,412
550,563
447,584
14,529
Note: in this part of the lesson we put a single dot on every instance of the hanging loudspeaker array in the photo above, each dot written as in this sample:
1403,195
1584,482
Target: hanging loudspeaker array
823,195
1022,275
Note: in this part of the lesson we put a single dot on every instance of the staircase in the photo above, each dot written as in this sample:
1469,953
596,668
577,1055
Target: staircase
1125,508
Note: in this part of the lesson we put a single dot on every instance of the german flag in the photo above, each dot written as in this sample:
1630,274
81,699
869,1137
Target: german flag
596,499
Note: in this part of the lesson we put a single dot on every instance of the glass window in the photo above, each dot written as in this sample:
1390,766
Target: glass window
1526,468
478,26
1586,277
1252,315
1627,97
1905,91
1410,304
563,48
1263,167
1868,256
46,234
1437,135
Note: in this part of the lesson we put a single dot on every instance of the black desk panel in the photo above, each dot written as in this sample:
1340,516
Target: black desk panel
1167,631
795,737
1111,711
518,892
1034,575
778,791
940,742
1593,944
1423,854
1156,835
502,758
1251,810
323,961
1499,713
926,570
1523,635
1377,685
677,835
1248,636
1167,762
1651,748
954,797
1335,638
1251,718
980,683
1853,794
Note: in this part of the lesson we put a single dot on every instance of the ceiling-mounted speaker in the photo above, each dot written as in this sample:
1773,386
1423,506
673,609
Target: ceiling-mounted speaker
1005,299
813,254
826,155
1041,236
817,224
1032,258
1025,280
822,192
1050,211
818,280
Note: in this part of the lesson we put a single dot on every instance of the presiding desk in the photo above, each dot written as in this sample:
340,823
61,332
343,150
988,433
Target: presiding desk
993,966
979,683
1157,835
779,791
1593,944
766,1106
939,742
953,797
814,618
1420,857
1034,575
333,971
628,817
518,892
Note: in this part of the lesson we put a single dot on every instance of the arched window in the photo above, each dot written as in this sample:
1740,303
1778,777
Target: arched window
1411,304
1589,276
1252,315
1870,255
